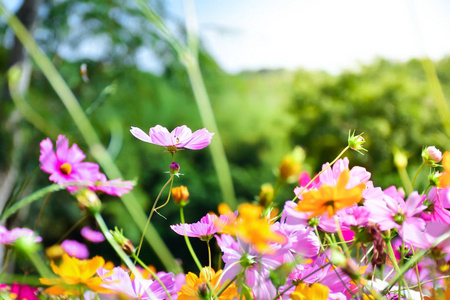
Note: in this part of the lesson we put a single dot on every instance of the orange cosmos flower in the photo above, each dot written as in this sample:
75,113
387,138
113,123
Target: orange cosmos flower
75,276
331,198
253,229
316,291
444,180
197,288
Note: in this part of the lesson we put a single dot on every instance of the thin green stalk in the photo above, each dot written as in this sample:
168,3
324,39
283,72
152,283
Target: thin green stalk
33,197
104,228
417,173
97,150
151,214
209,253
78,223
437,93
341,237
188,243
136,258
5,262
406,181
168,196
318,174
188,56
418,276
41,267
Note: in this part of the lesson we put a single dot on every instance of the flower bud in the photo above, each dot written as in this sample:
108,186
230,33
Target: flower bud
431,156
88,200
291,164
54,252
266,195
433,178
174,168
355,142
124,243
351,269
180,195
400,158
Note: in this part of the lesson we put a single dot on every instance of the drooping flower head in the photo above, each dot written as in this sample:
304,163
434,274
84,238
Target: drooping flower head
180,137
75,276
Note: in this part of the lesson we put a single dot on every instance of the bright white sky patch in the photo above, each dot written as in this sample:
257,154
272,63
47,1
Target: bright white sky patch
322,34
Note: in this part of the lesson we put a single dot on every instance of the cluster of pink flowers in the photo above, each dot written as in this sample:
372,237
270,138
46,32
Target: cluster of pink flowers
301,247
65,165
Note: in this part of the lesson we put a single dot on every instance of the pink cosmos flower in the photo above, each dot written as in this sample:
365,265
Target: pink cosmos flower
180,137
205,228
64,164
118,280
437,203
400,214
8,237
75,249
92,235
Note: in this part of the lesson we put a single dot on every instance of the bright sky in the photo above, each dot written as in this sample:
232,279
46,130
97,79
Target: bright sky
313,34
321,34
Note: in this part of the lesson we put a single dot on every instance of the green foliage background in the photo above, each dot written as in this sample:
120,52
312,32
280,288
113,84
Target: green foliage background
261,115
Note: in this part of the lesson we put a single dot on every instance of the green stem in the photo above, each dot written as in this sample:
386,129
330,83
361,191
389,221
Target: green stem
136,258
188,56
417,173
151,214
406,181
188,243
209,253
341,237
5,262
168,196
72,228
41,267
104,228
318,174
89,134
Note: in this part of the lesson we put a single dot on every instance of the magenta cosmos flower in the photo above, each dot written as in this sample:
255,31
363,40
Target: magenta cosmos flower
65,164
180,137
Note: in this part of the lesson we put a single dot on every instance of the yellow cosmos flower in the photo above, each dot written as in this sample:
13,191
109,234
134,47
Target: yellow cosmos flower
444,180
197,288
331,198
75,276
251,228
316,291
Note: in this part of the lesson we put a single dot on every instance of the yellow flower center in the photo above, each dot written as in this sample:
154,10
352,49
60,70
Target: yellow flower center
65,168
